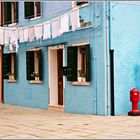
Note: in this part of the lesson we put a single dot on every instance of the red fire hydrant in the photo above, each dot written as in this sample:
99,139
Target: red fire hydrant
134,98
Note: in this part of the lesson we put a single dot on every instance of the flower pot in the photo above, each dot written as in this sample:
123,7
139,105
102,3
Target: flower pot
11,77
83,79
79,79
36,78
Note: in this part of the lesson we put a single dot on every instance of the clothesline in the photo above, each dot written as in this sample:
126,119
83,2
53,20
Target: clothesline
10,36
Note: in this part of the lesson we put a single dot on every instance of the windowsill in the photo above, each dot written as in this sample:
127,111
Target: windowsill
11,81
35,18
77,83
35,82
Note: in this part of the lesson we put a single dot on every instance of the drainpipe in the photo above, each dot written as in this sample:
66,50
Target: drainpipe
107,14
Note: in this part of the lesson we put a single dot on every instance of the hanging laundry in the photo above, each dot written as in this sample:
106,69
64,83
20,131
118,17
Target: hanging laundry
6,36
47,33
1,35
75,20
38,31
11,47
13,39
26,34
55,28
13,35
31,33
64,24
21,35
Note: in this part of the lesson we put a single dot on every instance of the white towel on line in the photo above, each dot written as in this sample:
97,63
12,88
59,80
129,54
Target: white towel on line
6,36
55,28
75,20
47,33
31,33
38,31
26,34
64,24
21,34
1,35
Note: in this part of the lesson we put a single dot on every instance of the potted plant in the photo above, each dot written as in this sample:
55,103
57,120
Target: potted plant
81,76
11,76
35,75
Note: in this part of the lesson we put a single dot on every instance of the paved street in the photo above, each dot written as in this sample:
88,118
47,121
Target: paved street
21,122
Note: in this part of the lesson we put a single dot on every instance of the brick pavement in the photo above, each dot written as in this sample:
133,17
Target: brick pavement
20,122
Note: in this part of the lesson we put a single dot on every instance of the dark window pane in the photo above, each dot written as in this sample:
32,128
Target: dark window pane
29,65
29,10
7,12
6,65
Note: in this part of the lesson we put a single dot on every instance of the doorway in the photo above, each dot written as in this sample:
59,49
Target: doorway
56,88
112,81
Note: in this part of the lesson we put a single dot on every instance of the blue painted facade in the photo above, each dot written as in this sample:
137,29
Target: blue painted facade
119,32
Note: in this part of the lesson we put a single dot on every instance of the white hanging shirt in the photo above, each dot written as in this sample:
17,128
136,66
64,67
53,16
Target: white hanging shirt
1,35
55,28
26,34
47,33
21,35
75,20
38,31
64,24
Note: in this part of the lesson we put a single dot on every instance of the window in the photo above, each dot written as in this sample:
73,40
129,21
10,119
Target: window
32,9
9,12
78,63
78,3
34,65
9,66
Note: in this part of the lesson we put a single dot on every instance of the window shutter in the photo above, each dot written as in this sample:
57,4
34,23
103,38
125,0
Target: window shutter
29,9
40,64
72,63
15,65
88,66
6,65
29,64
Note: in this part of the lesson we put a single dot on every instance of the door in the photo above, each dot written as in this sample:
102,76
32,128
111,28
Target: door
60,76
112,81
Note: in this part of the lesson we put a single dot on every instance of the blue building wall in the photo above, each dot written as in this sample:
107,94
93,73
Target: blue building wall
125,40
77,99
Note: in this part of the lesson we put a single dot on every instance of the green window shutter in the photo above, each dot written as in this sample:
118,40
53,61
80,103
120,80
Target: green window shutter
15,65
29,65
72,63
6,65
40,64
29,9
88,66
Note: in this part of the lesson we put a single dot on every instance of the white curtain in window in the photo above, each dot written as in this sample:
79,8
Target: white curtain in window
6,36
1,36
38,31
47,33
21,35
26,34
55,28
31,33
64,24
75,20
